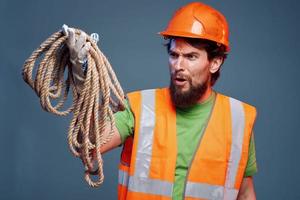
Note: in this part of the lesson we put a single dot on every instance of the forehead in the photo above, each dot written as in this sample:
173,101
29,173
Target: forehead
181,45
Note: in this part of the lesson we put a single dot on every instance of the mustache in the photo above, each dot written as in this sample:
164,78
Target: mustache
178,75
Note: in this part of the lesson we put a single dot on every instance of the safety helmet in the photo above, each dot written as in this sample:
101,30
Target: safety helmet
197,20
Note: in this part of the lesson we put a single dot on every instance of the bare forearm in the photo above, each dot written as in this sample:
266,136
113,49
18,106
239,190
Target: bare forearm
114,142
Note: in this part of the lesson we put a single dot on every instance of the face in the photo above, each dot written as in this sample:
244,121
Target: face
190,72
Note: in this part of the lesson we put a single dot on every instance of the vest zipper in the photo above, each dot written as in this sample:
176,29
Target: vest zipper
200,139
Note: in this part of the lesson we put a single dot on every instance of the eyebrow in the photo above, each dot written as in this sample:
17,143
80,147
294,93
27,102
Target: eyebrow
185,54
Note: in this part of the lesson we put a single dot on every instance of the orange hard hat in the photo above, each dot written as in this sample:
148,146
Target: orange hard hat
197,20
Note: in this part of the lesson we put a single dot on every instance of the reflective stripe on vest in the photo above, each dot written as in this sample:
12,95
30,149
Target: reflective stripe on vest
145,185
200,190
206,191
144,149
238,127
123,178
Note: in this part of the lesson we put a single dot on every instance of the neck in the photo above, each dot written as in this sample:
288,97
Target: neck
206,95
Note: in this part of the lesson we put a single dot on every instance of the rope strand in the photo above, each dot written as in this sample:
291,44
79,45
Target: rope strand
92,109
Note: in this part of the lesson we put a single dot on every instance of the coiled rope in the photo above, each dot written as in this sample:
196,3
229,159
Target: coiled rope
92,109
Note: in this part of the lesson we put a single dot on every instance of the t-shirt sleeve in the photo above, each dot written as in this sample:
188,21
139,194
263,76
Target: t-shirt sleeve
251,167
125,122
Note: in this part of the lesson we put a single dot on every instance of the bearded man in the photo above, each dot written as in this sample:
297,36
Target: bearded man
187,141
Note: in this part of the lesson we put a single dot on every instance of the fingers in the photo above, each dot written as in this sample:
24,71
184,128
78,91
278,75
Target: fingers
84,51
77,44
80,41
70,33
71,39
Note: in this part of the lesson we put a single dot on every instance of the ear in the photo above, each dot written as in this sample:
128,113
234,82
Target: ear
215,64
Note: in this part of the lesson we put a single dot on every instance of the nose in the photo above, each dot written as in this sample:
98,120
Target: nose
178,63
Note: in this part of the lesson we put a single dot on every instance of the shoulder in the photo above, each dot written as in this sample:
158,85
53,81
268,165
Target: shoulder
237,103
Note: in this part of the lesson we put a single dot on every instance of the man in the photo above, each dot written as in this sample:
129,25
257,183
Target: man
186,141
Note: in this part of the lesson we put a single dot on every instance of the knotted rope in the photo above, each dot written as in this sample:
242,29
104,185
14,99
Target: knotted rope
92,109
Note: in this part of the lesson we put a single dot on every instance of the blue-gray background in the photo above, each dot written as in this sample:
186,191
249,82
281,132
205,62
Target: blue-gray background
262,69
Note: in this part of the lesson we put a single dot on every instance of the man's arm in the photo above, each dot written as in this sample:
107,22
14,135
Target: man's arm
247,189
124,125
114,142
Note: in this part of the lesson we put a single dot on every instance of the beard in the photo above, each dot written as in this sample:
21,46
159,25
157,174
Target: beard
183,99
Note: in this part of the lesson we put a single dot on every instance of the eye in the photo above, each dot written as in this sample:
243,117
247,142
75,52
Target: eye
191,56
173,54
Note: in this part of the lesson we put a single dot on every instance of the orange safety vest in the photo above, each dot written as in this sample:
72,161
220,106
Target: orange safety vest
148,159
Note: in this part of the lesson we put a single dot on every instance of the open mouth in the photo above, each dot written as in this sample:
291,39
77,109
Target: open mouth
179,80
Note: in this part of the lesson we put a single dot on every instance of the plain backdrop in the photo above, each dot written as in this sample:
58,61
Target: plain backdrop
262,69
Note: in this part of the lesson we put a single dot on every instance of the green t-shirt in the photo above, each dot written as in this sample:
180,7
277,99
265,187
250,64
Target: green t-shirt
190,125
